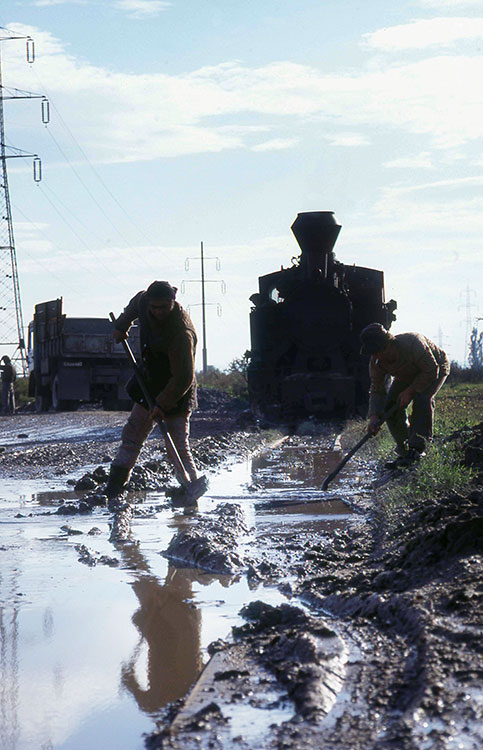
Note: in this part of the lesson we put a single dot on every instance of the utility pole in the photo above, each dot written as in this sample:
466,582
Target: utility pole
204,281
11,320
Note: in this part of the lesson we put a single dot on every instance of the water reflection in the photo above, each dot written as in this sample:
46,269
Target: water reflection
291,463
9,664
169,625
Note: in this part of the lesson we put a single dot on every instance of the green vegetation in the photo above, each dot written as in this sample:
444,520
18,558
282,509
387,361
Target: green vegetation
233,380
440,471
21,391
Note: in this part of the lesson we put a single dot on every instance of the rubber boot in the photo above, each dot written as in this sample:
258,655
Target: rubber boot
118,478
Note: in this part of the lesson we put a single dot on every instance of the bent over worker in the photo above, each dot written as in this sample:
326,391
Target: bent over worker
168,348
418,369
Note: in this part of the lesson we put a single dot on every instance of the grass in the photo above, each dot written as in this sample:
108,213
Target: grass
440,471
21,391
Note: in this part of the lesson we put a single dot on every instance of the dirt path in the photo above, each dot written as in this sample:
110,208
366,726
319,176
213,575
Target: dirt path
378,644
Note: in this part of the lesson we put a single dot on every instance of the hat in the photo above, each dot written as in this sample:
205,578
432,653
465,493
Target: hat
161,290
374,338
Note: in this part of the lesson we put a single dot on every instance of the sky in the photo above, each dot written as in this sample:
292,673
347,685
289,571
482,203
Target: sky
218,121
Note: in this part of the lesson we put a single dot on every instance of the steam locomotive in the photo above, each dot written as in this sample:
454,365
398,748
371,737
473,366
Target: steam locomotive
305,323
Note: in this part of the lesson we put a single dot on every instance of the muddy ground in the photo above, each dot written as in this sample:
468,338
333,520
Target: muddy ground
378,644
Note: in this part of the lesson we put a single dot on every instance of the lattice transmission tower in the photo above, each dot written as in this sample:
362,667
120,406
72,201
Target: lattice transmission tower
11,320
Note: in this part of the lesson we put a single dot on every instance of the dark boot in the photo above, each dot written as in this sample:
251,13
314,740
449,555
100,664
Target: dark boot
118,478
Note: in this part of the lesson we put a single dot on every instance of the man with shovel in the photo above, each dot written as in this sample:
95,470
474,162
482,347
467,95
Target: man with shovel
418,369
168,347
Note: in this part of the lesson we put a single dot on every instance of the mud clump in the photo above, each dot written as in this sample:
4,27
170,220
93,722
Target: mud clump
306,656
88,557
211,543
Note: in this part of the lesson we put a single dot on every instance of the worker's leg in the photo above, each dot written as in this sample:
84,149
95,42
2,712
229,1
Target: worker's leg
11,400
422,416
5,391
135,432
397,422
179,429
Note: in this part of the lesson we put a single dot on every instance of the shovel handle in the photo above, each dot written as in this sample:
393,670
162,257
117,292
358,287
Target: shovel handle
356,447
183,478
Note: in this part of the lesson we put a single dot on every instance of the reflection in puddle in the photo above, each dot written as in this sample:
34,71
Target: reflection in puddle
90,656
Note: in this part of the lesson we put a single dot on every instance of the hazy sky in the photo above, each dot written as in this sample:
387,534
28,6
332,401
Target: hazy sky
218,121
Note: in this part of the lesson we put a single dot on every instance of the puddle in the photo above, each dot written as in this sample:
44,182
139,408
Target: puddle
90,655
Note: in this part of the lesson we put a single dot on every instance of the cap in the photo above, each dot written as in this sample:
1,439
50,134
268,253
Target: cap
374,338
161,290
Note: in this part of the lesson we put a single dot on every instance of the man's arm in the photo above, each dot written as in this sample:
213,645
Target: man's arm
125,319
182,364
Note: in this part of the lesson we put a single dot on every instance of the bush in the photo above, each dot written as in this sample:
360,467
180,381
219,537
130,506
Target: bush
233,380
459,374
21,391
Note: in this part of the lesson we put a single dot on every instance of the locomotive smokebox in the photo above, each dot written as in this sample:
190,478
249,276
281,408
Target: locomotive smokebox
316,232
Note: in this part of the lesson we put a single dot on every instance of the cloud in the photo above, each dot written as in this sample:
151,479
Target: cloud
438,4
276,144
142,8
420,161
425,33
47,3
347,139
125,117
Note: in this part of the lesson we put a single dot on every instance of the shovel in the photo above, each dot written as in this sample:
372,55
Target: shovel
356,447
193,489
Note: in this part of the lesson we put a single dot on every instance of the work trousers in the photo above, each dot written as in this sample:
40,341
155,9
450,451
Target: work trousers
8,398
138,427
412,432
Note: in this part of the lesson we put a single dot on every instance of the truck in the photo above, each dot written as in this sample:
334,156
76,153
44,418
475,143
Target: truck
76,360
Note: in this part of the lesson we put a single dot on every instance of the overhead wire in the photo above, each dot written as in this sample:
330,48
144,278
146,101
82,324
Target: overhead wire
125,214
41,263
45,189
110,274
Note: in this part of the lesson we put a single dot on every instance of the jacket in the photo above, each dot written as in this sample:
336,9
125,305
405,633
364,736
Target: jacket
409,358
168,353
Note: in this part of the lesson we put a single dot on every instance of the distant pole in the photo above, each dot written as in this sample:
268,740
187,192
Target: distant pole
203,281
203,312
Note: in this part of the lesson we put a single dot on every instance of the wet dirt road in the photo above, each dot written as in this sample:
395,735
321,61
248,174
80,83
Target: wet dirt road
349,637
98,637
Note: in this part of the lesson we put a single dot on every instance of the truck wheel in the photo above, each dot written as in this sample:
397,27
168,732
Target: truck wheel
56,402
42,402
116,404
60,404
109,403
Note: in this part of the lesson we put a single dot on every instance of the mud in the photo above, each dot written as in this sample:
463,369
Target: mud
378,643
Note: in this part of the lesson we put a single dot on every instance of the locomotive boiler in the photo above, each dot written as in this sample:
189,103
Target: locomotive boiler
305,323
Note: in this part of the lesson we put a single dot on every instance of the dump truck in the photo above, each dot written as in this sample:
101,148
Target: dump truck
76,360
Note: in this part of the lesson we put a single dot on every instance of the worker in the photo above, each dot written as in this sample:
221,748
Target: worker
8,388
418,369
168,347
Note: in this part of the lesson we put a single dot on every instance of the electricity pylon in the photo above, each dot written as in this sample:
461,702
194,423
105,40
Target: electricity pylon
11,320
203,303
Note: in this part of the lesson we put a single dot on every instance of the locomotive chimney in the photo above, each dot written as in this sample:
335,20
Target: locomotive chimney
316,232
